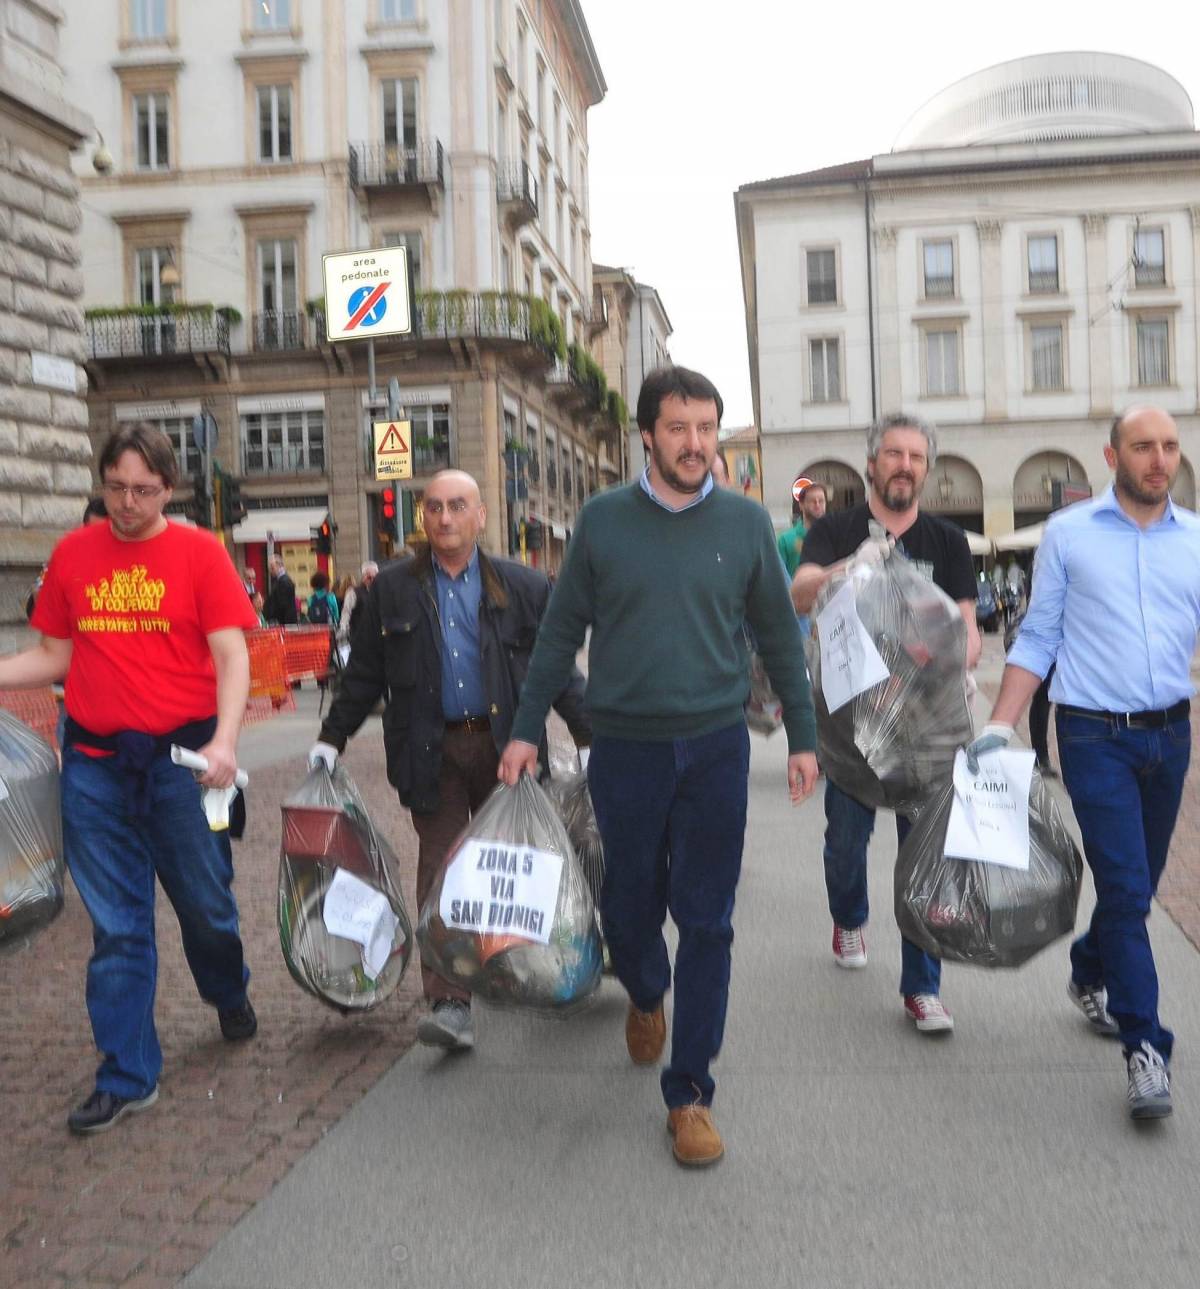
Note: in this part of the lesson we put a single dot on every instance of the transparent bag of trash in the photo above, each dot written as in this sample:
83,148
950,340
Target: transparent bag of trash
570,794
510,916
893,744
984,913
345,933
764,711
31,847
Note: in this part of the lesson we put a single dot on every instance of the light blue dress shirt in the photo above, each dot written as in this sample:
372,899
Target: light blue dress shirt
648,488
1117,605
458,600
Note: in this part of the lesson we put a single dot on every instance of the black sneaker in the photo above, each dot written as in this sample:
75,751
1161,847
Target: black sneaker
102,1109
238,1023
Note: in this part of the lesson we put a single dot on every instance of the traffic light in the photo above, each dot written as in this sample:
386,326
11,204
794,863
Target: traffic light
233,508
201,510
533,535
324,539
387,508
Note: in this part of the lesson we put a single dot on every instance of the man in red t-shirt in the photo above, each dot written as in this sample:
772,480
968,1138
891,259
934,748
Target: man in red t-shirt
145,620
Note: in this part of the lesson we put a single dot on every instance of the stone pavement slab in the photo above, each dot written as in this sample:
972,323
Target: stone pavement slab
859,1152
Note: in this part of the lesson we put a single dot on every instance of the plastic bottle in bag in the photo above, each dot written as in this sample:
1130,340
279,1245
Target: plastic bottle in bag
326,829
31,847
510,916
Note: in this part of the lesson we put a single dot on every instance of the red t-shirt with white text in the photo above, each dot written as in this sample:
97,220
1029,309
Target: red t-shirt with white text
138,614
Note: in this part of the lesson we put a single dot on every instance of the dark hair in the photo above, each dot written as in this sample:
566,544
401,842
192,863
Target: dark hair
150,444
680,381
319,581
95,509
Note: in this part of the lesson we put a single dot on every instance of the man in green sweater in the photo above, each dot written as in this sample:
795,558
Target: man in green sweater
665,571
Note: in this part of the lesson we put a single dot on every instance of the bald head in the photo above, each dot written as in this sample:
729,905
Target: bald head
454,515
1144,455
1141,418
448,483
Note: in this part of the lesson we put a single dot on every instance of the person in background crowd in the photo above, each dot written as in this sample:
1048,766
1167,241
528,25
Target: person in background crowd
352,606
469,622
665,571
805,512
341,589
720,471
1115,608
250,581
901,450
257,601
322,607
280,606
145,619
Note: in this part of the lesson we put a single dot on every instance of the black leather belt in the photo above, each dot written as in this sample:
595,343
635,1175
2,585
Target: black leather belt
1156,720
472,725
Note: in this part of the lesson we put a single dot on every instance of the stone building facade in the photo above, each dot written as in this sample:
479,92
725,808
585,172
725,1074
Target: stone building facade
45,456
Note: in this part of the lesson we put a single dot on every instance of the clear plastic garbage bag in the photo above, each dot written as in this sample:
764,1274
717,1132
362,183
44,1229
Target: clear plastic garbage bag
510,916
570,793
893,745
335,868
981,913
764,711
31,846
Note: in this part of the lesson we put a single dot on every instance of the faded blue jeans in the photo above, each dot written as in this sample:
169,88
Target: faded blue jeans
1125,786
672,817
848,828
113,858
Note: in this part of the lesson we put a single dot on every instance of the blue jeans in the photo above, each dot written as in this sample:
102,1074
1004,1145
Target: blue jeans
672,816
848,828
1125,786
113,858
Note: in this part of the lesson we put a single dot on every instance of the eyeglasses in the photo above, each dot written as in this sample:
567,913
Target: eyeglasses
456,506
139,491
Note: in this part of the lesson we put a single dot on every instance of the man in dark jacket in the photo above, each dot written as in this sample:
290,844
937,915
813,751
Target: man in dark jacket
280,608
447,634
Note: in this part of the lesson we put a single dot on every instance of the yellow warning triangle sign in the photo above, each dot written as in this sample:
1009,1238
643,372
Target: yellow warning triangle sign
392,443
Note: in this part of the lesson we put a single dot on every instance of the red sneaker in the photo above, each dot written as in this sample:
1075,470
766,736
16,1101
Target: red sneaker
927,1010
849,947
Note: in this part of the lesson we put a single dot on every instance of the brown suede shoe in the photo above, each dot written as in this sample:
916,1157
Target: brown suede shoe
697,1142
645,1034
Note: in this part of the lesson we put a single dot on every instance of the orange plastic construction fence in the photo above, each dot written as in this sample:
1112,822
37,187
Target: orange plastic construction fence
306,650
38,708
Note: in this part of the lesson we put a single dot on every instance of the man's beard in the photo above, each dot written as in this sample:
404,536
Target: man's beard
1129,486
670,477
890,500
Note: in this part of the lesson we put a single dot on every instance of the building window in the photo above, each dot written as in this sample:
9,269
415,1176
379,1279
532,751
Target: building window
939,269
1043,264
505,269
825,381
272,15
541,98
187,455
152,123
1153,351
533,463
283,442
551,465
278,324
567,482
822,276
412,244
149,263
522,58
1046,356
149,19
275,123
430,424
400,121
1149,257
510,427
941,363
397,10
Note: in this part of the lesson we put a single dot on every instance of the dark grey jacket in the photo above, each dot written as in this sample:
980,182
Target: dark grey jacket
396,650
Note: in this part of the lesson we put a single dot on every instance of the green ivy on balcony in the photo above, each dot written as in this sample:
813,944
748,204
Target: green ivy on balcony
184,309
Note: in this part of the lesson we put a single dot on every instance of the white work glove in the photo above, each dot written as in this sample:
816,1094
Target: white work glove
992,739
874,550
584,755
322,754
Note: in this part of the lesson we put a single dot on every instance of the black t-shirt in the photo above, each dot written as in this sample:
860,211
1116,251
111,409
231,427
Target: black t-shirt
936,546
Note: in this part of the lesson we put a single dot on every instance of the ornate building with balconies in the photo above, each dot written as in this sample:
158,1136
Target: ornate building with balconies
249,141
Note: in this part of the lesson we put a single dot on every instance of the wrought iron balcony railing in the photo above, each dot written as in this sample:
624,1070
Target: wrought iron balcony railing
274,329
162,334
394,165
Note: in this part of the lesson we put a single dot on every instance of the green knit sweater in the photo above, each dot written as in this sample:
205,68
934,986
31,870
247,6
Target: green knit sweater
666,596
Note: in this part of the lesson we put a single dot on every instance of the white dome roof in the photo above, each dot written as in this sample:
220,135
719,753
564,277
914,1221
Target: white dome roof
1050,96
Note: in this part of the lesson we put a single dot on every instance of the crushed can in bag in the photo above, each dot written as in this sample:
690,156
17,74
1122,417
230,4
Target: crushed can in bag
32,871
892,742
510,916
985,913
343,928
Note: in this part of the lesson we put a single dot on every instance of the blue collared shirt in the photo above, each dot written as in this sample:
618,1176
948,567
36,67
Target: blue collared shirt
1116,605
462,666
648,488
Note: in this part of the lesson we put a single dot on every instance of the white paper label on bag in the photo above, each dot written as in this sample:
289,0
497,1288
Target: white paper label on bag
358,912
494,887
989,817
850,663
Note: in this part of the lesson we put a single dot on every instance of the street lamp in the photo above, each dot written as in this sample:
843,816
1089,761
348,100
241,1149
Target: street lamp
102,159
945,486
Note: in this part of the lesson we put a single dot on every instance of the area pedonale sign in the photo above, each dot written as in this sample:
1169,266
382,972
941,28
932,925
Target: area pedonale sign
367,294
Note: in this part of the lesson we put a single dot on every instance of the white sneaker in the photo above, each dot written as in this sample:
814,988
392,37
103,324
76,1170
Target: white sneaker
1149,1084
929,1013
448,1026
849,947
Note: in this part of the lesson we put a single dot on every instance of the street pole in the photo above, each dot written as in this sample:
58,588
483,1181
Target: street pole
208,468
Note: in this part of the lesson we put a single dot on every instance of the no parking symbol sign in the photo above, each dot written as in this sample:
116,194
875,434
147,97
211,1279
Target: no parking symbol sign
367,294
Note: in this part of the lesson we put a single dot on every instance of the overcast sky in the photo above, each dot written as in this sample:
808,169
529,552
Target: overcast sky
706,96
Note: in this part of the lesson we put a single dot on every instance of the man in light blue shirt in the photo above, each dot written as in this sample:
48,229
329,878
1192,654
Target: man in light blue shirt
1116,602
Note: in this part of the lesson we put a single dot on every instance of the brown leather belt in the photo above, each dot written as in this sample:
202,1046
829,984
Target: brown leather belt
472,725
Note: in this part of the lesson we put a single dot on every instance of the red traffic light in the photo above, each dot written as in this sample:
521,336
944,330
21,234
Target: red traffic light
326,530
389,503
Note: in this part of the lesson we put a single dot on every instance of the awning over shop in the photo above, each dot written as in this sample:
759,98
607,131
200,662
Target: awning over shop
559,531
1024,539
979,544
285,525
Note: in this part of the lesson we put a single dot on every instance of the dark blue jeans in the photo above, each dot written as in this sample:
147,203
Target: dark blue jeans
672,816
113,858
848,828
1125,786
